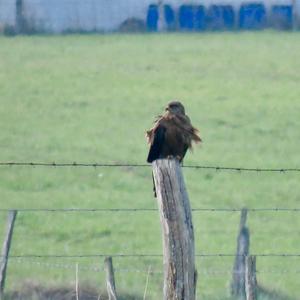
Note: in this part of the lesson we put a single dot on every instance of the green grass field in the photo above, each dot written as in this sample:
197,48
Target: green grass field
90,98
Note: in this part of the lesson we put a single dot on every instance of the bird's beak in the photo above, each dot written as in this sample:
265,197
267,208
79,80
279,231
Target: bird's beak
167,108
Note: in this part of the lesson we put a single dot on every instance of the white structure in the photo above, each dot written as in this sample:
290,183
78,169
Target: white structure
97,15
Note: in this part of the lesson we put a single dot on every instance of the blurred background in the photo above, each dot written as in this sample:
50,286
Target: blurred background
56,16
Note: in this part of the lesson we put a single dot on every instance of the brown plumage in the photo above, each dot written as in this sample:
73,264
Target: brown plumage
172,134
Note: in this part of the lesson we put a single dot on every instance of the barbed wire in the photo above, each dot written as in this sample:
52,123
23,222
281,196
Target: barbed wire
94,210
279,233
98,255
73,164
75,210
139,255
253,232
95,165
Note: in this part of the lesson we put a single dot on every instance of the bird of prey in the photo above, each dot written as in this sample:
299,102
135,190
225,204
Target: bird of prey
172,134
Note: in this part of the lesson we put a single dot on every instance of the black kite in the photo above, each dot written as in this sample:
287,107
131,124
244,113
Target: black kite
172,134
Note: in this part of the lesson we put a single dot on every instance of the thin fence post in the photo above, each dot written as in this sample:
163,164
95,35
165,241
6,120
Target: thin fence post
5,249
177,231
243,243
77,282
110,279
250,278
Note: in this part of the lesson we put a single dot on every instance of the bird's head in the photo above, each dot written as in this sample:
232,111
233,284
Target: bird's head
175,107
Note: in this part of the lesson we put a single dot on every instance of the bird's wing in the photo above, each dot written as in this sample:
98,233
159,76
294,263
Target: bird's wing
156,146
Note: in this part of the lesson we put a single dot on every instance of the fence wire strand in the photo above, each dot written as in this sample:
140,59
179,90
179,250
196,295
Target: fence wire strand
94,210
140,255
96,165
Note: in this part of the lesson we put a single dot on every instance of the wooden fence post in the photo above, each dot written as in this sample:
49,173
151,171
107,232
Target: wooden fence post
243,243
177,231
76,282
6,247
110,279
250,278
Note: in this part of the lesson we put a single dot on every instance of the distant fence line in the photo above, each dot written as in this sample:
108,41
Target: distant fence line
31,16
134,165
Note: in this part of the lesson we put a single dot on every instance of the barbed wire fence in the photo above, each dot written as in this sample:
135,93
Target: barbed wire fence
35,258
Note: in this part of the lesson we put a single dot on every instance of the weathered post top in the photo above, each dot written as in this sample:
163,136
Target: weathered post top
177,231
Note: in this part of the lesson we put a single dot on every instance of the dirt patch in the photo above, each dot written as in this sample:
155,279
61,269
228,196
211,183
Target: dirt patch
36,292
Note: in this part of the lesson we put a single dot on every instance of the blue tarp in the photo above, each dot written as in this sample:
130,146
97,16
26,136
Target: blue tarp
152,17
